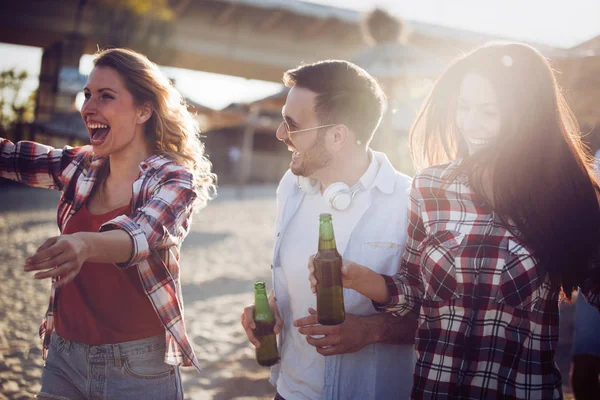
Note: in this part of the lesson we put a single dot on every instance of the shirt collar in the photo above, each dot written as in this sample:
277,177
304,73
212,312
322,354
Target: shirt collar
386,177
451,168
155,161
368,178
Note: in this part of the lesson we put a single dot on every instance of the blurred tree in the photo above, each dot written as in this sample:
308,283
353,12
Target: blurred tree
384,59
403,69
379,26
158,9
13,110
142,25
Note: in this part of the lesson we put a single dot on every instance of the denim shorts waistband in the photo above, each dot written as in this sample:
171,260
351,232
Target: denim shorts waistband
123,349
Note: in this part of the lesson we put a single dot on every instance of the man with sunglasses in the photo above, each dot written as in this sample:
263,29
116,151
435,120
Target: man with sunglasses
331,112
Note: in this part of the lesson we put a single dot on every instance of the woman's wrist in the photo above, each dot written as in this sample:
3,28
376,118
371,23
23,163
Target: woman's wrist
382,294
373,286
364,275
86,248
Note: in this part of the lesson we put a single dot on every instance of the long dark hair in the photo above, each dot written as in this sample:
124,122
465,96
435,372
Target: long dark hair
543,184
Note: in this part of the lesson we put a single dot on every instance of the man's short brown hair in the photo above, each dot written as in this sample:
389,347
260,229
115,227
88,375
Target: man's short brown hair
346,94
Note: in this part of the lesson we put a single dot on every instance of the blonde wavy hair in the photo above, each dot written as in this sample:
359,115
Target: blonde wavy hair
171,129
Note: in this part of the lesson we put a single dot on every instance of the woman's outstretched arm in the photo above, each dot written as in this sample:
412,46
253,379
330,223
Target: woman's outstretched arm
36,164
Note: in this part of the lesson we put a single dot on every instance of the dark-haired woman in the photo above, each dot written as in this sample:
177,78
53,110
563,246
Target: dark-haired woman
503,221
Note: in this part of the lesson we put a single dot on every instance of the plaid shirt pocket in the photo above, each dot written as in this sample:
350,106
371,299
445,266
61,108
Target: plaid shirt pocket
439,252
520,284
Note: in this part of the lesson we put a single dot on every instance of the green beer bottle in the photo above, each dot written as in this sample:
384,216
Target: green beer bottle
328,271
267,354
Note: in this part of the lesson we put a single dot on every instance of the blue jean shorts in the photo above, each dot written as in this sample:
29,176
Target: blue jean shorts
128,370
587,325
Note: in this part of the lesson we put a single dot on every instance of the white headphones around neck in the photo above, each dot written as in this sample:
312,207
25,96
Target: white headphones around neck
338,196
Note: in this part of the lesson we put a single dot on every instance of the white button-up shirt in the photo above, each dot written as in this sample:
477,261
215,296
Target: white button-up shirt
377,239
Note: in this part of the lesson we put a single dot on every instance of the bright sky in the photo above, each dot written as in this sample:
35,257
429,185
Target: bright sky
559,23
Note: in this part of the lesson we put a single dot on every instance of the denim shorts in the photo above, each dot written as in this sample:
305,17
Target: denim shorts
586,339
128,370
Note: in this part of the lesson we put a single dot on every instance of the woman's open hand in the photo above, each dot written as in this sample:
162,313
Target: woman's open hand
60,256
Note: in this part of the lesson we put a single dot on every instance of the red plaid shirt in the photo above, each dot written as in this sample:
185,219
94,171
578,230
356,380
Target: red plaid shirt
160,217
488,323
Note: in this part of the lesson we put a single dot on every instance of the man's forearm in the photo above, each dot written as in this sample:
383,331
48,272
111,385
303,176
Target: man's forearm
386,328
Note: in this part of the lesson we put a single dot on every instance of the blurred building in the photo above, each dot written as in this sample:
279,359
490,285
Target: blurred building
60,129
241,142
580,79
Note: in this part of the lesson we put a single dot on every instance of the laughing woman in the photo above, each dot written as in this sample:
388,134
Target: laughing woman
114,328
502,220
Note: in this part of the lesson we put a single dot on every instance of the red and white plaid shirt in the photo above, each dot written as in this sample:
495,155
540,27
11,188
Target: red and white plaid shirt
160,217
488,323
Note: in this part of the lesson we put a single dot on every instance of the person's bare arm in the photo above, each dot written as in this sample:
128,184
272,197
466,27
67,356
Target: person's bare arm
64,255
389,329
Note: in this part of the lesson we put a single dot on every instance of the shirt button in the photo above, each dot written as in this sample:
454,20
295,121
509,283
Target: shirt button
93,350
149,289
166,320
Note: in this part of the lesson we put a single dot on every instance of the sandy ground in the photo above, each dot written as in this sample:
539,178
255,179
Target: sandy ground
228,248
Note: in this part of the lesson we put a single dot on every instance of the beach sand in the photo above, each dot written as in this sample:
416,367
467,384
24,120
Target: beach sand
228,248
